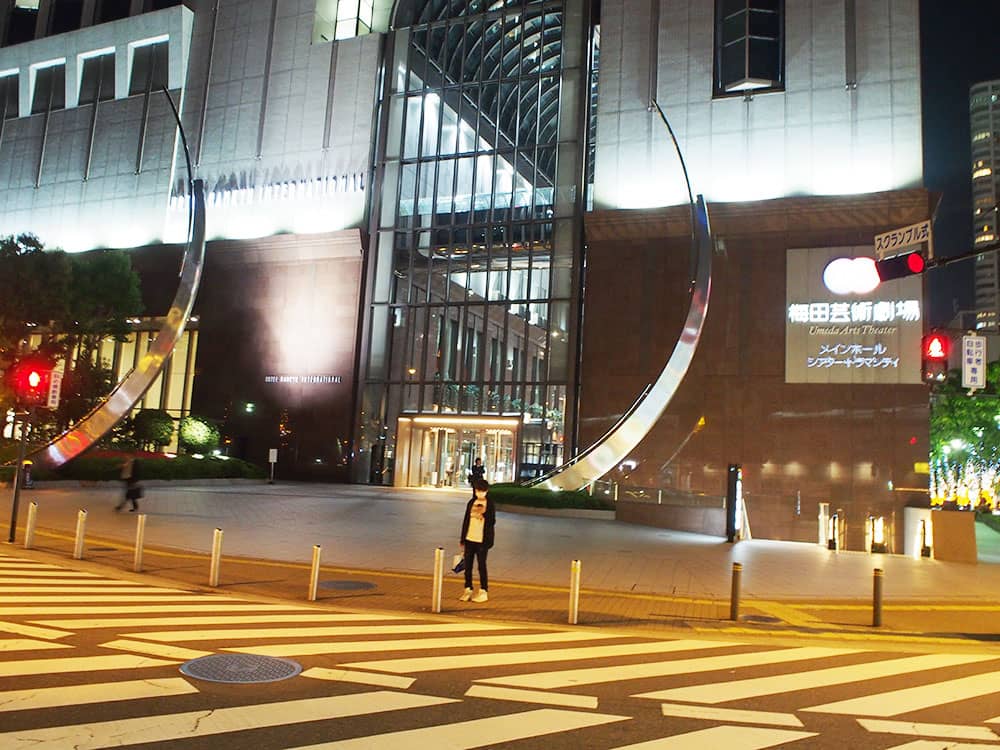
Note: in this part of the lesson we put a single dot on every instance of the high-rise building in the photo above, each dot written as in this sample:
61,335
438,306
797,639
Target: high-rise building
984,119
449,229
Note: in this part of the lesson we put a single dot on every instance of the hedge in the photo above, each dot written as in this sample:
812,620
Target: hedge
104,468
537,497
988,519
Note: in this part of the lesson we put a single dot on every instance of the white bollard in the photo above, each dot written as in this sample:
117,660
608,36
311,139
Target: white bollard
213,573
438,580
140,538
574,592
81,529
314,573
29,530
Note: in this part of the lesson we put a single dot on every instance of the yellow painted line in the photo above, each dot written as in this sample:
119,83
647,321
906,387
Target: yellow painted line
869,636
738,716
360,678
31,631
567,700
164,728
26,644
789,615
155,649
78,664
415,644
236,633
103,692
947,731
135,622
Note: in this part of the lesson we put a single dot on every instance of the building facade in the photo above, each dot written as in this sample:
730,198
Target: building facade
984,119
442,230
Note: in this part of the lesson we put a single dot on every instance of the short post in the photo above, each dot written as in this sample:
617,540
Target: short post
140,539
213,572
615,486
877,599
734,596
438,580
81,529
590,489
574,592
314,573
659,497
29,530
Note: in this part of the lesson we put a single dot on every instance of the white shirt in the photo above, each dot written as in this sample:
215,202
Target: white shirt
477,521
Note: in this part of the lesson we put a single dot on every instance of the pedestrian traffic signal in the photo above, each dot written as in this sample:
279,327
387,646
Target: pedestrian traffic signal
899,266
30,378
934,355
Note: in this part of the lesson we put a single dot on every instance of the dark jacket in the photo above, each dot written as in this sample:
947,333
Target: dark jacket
476,472
489,518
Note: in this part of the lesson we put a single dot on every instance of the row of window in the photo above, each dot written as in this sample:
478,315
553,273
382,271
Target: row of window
68,15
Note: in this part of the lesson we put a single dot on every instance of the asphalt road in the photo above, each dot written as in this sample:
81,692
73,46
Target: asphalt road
90,658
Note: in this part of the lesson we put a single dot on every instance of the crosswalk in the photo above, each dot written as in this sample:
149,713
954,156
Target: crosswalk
71,639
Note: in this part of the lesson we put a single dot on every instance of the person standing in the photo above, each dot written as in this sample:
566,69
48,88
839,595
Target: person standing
477,539
477,471
133,490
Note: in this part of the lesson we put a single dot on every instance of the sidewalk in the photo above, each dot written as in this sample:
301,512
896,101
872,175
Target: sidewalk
378,550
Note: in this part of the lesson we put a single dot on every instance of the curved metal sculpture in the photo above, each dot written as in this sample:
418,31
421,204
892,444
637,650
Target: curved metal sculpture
127,393
615,445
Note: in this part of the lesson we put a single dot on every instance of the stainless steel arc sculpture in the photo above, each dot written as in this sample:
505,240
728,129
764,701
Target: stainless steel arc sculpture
127,393
615,445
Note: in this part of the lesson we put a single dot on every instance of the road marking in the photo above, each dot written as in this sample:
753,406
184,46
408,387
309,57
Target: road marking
30,631
75,588
184,726
894,702
731,738
155,649
135,609
360,678
730,714
77,664
947,731
571,677
25,644
723,692
135,622
532,696
17,575
936,745
412,644
492,659
236,633
105,692
115,599
465,735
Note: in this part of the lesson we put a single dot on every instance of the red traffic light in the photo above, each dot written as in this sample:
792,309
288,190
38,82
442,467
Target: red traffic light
899,266
936,347
30,380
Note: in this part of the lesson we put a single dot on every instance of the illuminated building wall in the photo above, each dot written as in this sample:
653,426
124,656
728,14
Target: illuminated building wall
984,121
841,115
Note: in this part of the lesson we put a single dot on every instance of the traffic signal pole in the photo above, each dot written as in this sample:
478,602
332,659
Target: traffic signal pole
939,262
19,471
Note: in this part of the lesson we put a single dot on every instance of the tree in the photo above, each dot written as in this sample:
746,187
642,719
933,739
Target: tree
198,435
153,427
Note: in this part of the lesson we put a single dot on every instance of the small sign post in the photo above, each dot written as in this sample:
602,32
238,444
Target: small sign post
973,362
55,385
898,241
272,458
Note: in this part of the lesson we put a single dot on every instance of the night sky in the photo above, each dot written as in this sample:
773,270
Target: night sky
960,46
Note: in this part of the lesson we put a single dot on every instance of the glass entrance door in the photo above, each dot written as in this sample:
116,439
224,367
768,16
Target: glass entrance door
442,455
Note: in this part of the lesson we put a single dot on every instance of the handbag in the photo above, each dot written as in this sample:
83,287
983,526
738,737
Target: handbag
457,563
133,493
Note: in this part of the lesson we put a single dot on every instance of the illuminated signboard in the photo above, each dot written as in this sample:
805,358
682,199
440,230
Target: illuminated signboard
840,329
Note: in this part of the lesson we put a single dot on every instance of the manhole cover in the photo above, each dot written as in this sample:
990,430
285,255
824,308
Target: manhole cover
240,668
347,585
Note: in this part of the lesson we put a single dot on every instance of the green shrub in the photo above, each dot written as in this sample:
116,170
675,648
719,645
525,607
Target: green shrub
198,435
153,427
536,497
109,468
988,519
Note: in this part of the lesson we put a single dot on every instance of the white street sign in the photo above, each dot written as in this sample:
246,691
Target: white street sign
889,244
55,386
272,456
973,362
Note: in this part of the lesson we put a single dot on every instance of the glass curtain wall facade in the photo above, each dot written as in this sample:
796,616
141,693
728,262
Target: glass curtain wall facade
472,293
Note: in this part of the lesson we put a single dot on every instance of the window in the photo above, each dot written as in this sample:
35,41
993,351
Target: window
749,46
112,10
65,16
8,97
97,82
342,19
21,24
50,89
149,68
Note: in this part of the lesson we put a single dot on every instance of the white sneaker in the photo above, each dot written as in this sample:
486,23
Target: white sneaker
480,597
466,596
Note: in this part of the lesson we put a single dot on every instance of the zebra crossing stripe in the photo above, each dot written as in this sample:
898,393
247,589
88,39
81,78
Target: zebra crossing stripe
77,664
114,599
723,692
936,745
734,715
102,692
359,678
155,649
206,605
947,731
17,575
52,588
592,676
902,701
31,631
26,644
567,700
183,726
136,622
728,737
413,644
173,636
476,733
493,659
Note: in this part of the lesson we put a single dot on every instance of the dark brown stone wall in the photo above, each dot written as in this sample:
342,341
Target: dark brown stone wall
799,444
